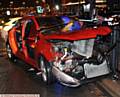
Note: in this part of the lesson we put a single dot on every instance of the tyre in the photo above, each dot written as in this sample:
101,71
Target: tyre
46,69
10,54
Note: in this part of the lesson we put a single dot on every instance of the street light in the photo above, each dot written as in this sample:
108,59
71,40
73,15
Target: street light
8,13
23,3
11,2
37,2
57,7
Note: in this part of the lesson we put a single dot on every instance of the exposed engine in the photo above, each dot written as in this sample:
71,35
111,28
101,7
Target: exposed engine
71,55
77,60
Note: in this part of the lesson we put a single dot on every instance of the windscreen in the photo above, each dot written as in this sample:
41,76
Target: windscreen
58,24
50,25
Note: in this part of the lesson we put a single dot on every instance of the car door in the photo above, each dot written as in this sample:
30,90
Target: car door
14,38
28,40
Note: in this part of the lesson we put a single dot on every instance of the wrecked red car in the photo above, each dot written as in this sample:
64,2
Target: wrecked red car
69,57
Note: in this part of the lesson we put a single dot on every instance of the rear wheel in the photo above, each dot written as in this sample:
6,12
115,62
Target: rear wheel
46,69
10,54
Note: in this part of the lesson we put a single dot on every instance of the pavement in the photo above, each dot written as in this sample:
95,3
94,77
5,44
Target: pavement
111,86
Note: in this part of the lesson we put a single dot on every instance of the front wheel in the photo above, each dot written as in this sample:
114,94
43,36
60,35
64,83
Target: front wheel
10,54
46,69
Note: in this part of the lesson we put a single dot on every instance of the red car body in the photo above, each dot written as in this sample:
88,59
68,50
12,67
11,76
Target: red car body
40,44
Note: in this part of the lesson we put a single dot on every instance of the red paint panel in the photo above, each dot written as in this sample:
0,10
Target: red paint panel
12,40
81,34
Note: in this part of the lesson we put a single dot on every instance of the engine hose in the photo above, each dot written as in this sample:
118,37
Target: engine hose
65,50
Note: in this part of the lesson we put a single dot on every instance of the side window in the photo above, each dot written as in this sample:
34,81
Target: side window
30,27
18,25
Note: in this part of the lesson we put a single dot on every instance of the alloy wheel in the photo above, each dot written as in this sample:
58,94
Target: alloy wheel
43,69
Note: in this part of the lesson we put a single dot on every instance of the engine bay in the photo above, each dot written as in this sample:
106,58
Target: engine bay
72,54
74,58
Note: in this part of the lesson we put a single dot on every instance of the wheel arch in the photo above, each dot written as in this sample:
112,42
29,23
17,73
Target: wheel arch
48,66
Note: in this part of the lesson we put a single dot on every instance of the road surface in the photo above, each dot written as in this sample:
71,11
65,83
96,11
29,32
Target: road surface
15,78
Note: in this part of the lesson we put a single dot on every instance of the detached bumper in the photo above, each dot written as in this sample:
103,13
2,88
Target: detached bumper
64,78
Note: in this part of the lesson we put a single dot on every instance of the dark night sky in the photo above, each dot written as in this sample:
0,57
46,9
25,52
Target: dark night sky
16,3
5,3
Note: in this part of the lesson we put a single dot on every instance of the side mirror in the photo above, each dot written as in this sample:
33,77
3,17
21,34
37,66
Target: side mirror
86,7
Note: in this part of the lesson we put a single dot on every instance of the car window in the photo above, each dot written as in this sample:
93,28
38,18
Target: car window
48,21
30,28
52,24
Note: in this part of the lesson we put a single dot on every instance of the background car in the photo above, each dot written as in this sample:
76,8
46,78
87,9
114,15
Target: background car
7,26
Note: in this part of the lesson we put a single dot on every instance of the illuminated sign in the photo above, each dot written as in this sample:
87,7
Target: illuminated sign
40,9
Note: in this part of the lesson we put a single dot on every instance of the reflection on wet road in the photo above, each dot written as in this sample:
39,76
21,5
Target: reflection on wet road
15,78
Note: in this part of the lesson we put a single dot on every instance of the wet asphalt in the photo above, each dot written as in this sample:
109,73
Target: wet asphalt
16,79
